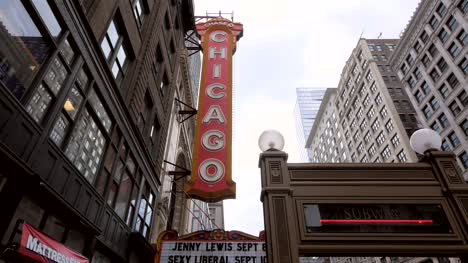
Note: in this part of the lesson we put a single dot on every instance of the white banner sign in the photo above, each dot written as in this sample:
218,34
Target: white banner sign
213,252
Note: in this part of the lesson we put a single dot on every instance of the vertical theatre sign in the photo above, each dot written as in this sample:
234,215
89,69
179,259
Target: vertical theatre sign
211,179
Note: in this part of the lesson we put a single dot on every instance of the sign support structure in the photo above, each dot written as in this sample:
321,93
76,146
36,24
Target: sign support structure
211,179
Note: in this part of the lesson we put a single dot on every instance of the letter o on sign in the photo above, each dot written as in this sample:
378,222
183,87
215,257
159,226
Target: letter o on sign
211,170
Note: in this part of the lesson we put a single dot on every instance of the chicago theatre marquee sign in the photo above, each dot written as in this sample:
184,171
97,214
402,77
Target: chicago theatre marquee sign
211,178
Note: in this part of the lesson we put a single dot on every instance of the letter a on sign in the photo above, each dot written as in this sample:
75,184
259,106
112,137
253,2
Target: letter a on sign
211,179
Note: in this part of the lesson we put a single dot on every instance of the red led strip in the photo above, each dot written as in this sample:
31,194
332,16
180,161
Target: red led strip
375,222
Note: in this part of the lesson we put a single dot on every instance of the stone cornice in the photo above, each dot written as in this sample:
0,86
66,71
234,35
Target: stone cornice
411,32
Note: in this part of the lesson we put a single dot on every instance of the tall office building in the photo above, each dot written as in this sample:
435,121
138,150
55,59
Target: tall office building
431,61
307,105
368,118
87,93
194,61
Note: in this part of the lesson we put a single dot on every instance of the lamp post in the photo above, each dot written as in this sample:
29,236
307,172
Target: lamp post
428,142
276,193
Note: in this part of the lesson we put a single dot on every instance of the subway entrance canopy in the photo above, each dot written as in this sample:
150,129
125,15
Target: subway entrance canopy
362,209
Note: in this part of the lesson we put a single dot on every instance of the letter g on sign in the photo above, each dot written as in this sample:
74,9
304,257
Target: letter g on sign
213,140
211,170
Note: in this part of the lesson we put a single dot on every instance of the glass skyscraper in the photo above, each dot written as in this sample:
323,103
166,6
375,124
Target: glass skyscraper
307,105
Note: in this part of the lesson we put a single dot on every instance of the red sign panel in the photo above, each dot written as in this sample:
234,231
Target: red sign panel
40,248
211,179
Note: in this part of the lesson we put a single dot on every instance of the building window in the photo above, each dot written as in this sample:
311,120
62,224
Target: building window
378,99
445,146
452,81
395,141
435,75
370,113
409,59
389,126
386,153
441,10
454,50
164,84
417,73
372,149
138,12
367,137
359,113
444,91
424,37
380,139
443,35
443,120
364,159
425,88
360,148
375,125
463,65
463,157
145,212
356,136
453,139
366,101
436,127
369,76
353,124
48,90
463,98
427,111
363,125
87,141
434,22
383,112
404,68
390,47
434,103
358,78
67,116
114,50
402,157
455,108
442,65
371,47
123,191
373,87
419,96
463,6
426,61
463,38
452,23
433,50
417,47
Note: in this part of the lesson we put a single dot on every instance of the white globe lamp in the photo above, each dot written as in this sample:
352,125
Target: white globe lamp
271,140
424,140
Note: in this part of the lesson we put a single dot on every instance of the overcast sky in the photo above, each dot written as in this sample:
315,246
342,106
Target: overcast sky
289,44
